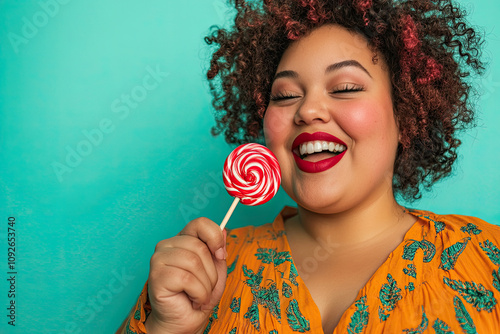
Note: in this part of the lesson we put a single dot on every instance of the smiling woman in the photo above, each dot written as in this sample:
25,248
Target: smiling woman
358,101
360,118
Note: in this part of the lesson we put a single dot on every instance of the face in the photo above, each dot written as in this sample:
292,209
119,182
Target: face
330,122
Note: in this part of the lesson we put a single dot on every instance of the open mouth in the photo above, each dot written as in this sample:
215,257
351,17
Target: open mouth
317,152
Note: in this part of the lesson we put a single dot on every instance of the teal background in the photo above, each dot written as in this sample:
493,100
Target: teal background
84,237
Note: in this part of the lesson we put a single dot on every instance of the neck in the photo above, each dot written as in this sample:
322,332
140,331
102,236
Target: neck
357,226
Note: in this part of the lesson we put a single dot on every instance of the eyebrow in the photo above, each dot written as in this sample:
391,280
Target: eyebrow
347,63
330,68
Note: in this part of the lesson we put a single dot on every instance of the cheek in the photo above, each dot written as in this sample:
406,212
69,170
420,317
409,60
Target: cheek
369,119
276,125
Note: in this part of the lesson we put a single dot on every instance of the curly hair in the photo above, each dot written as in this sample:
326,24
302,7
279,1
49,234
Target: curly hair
429,47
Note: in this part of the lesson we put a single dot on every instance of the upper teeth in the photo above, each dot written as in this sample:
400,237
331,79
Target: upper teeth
320,146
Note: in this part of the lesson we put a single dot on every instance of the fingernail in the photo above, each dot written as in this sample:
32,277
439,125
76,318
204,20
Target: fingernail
220,254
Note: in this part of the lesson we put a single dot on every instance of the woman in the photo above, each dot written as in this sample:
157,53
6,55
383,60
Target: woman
359,101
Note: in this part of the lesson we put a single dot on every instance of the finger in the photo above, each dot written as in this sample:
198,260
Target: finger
175,280
187,260
208,232
195,246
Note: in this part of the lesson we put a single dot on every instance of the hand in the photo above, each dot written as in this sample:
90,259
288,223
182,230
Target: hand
187,278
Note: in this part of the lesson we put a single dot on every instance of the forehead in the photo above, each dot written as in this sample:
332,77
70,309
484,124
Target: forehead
328,44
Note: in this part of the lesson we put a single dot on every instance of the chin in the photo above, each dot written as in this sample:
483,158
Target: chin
324,210
321,203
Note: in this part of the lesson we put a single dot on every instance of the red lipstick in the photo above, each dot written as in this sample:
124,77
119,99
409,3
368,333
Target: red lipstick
319,166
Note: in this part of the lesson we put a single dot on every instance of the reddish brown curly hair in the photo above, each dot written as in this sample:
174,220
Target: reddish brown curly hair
429,47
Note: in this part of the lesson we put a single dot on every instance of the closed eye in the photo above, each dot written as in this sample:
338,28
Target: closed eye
282,96
348,88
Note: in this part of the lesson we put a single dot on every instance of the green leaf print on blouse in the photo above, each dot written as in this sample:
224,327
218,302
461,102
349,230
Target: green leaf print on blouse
235,305
137,315
422,327
440,327
231,267
270,299
389,295
253,315
268,296
475,294
128,330
286,290
492,251
471,229
438,225
412,246
496,279
213,316
293,274
296,320
411,271
359,319
463,317
269,255
253,280
450,255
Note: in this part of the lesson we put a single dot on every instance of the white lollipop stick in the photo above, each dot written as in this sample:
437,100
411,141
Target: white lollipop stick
229,213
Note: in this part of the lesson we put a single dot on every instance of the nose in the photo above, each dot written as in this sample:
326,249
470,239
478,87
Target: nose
313,109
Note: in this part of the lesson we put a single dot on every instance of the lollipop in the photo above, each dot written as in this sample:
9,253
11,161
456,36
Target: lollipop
252,175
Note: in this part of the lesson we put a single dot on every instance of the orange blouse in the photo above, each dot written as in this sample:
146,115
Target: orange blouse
443,278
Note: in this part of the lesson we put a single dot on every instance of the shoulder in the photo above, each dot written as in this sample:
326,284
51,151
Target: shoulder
461,242
458,267
460,224
251,236
249,232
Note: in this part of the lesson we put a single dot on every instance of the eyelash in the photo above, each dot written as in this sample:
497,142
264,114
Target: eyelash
346,89
281,96
350,88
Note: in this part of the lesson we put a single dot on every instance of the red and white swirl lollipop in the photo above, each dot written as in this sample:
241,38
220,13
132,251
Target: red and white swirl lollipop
252,175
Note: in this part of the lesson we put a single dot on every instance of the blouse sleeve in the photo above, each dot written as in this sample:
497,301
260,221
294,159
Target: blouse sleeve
134,324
